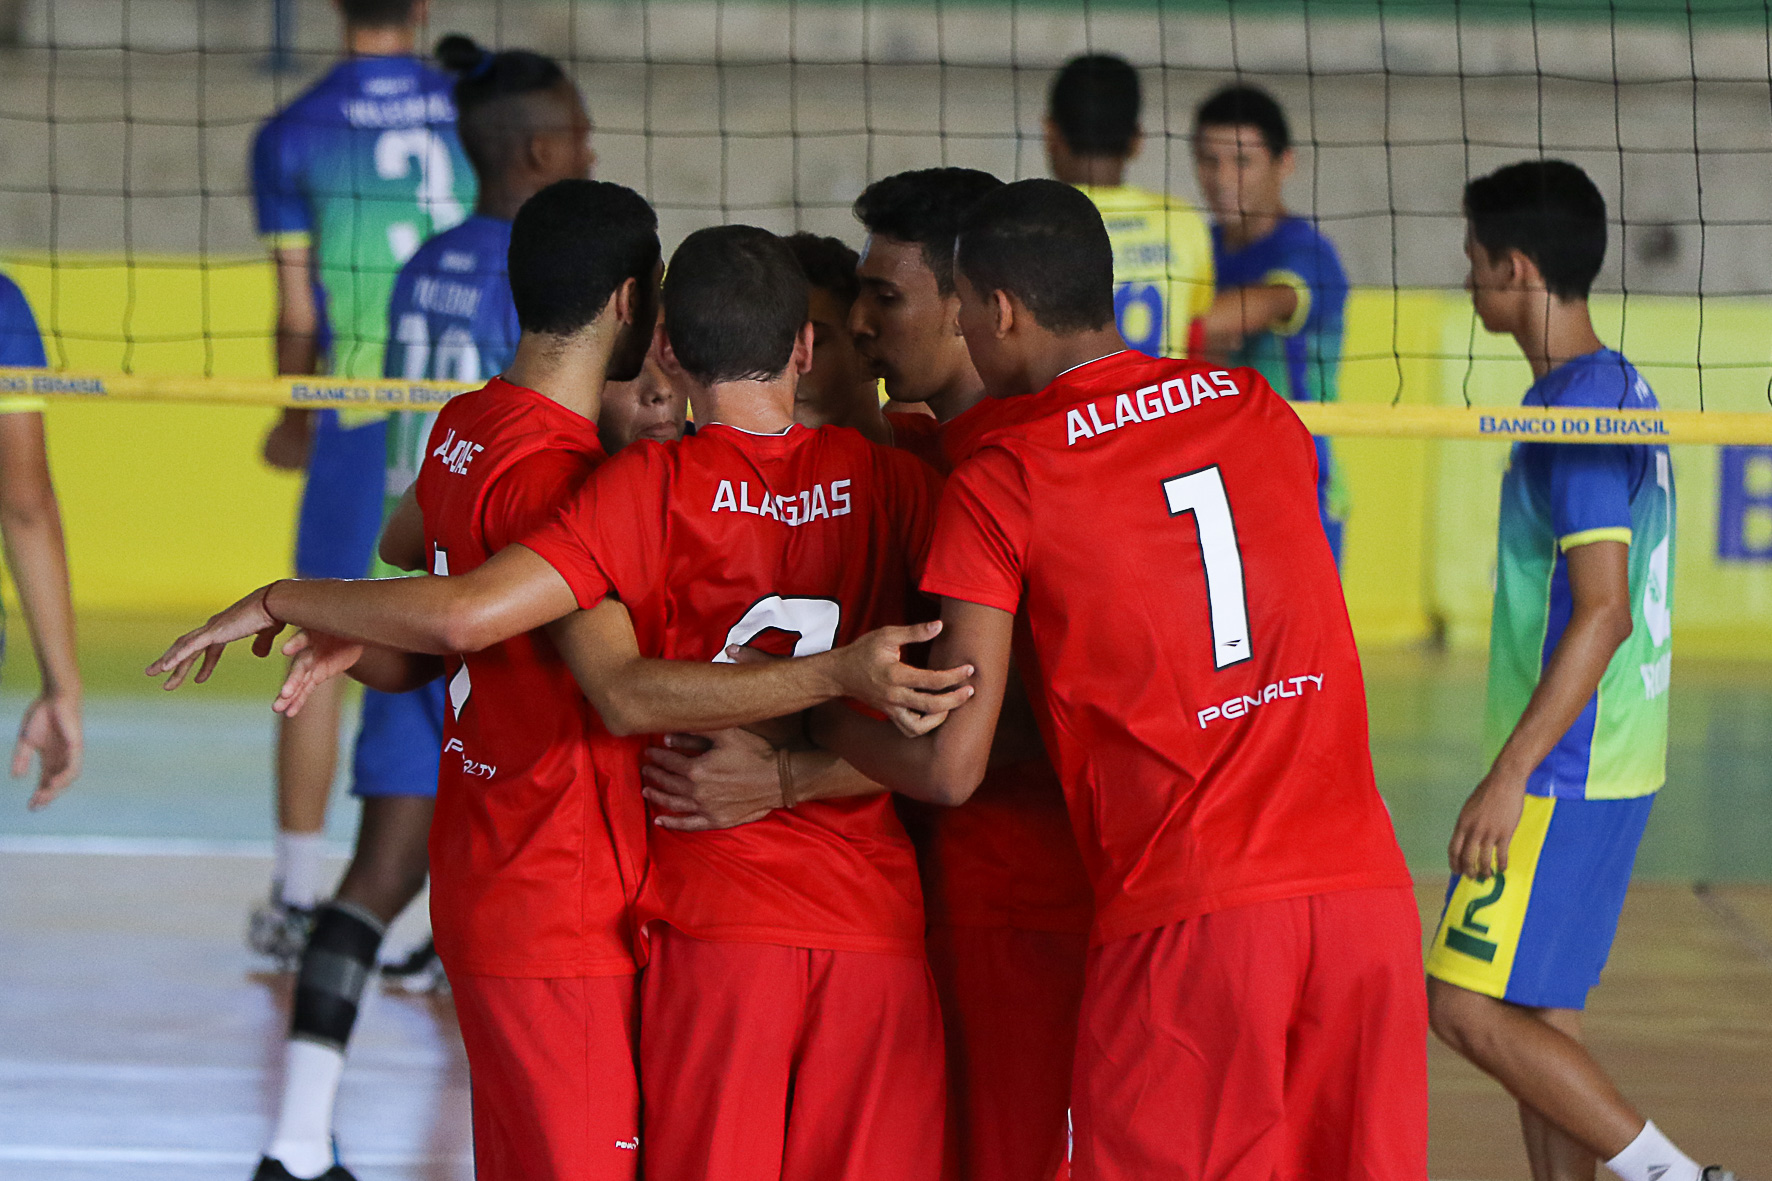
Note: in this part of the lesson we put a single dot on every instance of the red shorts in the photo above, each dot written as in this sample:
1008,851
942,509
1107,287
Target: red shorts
763,1063
552,1066
1284,1039
1009,1003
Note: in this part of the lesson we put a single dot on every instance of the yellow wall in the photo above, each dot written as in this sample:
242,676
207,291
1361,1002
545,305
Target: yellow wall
170,511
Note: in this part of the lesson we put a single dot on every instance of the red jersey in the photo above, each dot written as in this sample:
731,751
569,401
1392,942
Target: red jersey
795,542
1006,857
919,434
1191,657
536,858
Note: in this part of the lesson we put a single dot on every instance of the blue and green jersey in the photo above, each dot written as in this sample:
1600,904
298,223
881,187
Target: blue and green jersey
362,168
1554,498
1302,357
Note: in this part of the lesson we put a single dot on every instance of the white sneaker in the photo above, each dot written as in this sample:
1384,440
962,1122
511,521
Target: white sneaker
280,931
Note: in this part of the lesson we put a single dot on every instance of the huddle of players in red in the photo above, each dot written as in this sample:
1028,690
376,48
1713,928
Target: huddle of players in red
1217,975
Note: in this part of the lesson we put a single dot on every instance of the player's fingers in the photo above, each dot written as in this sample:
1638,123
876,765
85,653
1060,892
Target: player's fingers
693,743
211,657
683,823
297,643
670,760
930,680
668,781
931,703
912,724
21,757
181,650
743,654
1501,845
670,801
898,635
180,671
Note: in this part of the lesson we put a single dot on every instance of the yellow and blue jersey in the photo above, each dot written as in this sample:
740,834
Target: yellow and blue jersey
1555,497
1162,266
361,168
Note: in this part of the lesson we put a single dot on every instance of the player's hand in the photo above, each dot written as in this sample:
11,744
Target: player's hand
248,617
721,780
1486,826
318,658
288,443
872,671
51,730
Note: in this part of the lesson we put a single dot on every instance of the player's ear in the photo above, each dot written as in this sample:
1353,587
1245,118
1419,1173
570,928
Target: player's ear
667,356
1287,162
622,301
1006,310
801,358
1136,144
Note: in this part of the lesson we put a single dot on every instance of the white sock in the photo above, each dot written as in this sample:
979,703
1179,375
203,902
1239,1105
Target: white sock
1653,1157
303,1140
297,869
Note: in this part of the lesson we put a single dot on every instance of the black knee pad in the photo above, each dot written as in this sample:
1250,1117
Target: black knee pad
335,966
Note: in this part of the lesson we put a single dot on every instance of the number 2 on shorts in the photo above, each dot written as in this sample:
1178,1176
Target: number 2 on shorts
1202,494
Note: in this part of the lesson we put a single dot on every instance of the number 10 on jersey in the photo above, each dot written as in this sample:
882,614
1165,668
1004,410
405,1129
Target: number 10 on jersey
1202,494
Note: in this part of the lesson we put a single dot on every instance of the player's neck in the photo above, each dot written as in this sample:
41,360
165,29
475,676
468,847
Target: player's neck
760,407
380,41
1099,172
502,200
959,396
1253,226
568,371
1553,332
1049,355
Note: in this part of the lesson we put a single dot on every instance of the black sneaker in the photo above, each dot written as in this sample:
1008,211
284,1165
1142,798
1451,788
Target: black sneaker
1716,1173
271,1169
280,931
419,973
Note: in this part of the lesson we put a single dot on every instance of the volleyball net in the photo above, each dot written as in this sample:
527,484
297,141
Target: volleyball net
126,212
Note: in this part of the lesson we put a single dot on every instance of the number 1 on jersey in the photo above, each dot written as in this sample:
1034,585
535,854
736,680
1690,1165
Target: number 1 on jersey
1202,494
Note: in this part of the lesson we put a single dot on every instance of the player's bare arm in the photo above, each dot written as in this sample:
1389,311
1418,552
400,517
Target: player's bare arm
1599,583
403,537
642,695
702,782
1244,311
514,592
946,765
298,352
731,777
31,526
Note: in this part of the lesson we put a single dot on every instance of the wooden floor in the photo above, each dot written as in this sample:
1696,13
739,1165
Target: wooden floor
137,1042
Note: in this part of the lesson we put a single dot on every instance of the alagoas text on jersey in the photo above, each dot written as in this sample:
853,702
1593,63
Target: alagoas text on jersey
1147,404
795,508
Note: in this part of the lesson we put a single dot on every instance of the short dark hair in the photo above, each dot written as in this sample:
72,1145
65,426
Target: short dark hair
1549,211
1247,106
1094,103
491,116
925,206
734,303
377,14
1044,243
829,264
572,245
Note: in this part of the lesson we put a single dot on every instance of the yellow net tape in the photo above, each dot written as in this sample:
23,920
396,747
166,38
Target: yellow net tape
1341,418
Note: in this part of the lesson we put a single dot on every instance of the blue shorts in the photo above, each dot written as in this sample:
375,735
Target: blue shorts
1539,934
399,743
343,500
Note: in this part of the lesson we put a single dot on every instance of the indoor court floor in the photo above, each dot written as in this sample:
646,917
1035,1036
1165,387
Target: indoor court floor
140,1041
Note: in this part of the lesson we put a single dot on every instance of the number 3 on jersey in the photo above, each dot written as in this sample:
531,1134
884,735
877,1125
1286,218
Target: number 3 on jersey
1202,494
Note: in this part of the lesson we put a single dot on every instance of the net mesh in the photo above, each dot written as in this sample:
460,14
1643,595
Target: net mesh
125,209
